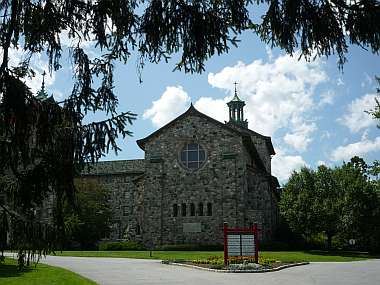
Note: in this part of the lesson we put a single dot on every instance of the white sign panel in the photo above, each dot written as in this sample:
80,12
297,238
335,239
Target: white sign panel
233,242
247,245
241,244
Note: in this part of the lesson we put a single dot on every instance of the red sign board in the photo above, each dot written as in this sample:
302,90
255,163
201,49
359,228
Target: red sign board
240,242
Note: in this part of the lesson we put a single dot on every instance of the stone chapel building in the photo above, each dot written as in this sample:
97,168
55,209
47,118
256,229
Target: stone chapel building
197,174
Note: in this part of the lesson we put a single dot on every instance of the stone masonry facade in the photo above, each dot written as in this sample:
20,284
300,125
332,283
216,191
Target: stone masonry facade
197,174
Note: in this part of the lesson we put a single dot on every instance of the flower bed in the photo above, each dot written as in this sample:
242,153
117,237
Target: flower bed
236,264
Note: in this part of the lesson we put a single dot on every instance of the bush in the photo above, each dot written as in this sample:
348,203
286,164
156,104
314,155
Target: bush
189,247
121,245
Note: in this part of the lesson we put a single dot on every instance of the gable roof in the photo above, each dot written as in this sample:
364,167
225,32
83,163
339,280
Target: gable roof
115,167
194,112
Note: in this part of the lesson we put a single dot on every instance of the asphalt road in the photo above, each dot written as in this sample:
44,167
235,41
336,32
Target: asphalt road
112,271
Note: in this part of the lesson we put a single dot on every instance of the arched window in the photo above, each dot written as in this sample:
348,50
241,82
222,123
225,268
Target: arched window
193,156
192,209
175,210
200,209
183,208
209,209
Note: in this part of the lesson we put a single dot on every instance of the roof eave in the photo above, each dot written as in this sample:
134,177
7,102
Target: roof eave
191,111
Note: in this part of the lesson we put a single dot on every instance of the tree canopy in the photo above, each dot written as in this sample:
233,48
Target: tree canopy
341,202
375,112
89,220
44,145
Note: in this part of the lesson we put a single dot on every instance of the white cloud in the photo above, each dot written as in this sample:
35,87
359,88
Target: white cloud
300,137
358,148
68,41
172,103
327,98
367,81
325,135
355,117
269,52
365,135
279,94
283,165
321,162
87,45
216,109
274,92
298,140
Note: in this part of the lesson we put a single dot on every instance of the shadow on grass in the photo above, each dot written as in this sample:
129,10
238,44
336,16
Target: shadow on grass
353,254
11,270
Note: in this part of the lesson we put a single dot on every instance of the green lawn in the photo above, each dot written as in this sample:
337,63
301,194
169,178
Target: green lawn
286,256
40,275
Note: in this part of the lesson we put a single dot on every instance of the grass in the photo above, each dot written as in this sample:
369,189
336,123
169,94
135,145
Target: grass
40,275
285,256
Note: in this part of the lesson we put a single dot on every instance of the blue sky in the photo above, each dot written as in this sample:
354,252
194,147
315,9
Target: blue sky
313,111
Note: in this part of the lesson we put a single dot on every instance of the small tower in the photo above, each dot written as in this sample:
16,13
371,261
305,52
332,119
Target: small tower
42,94
236,111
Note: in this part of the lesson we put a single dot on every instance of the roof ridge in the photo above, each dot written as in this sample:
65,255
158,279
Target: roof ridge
193,110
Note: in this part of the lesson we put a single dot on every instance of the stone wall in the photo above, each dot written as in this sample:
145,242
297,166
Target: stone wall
262,203
221,181
145,192
119,178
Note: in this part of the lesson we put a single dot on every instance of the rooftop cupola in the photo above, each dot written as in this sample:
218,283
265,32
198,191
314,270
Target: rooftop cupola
236,112
42,94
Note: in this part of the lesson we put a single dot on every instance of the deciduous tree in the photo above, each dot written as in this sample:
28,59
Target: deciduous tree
89,220
341,202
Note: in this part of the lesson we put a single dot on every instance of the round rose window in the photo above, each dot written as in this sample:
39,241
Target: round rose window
193,156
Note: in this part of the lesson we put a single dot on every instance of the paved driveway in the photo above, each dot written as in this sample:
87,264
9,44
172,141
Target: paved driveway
112,271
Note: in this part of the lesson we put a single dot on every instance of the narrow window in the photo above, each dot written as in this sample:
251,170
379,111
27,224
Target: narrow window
125,210
200,209
175,210
209,209
138,230
192,209
183,208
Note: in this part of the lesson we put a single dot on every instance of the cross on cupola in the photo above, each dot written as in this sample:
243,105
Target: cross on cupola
236,111
42,94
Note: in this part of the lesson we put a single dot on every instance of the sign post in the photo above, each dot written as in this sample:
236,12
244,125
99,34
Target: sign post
254,229
240,242
225,228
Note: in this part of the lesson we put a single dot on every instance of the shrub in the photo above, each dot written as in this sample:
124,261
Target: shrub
274,246
121,245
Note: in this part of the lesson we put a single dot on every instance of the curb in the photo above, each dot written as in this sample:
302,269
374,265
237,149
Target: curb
238,271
